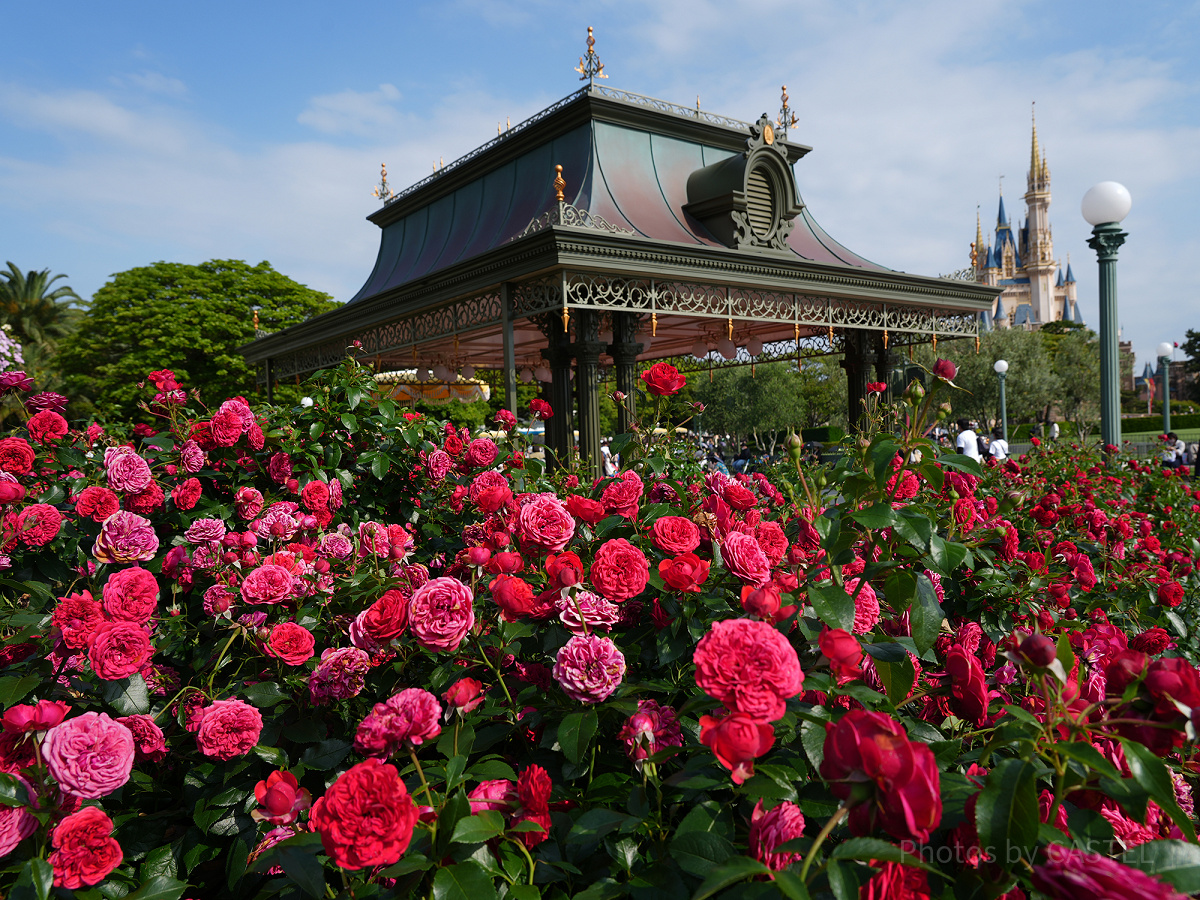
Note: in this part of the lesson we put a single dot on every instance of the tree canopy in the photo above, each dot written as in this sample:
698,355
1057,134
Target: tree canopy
190,319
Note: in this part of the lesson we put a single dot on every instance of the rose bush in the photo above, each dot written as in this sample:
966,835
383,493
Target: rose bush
344,650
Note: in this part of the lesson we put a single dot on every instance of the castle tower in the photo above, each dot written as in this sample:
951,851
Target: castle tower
1040,266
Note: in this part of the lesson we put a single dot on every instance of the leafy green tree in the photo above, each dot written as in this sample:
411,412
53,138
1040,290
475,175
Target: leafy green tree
1077,365
190,319
760,406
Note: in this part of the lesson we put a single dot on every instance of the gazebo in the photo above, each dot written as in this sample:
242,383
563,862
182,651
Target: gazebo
613,229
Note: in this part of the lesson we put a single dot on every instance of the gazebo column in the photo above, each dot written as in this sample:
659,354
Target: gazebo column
510,359
587,376
558,427
857,363
624,351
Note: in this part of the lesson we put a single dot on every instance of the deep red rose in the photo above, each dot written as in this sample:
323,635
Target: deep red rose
736,740
620,570
1172,679
621,495
118,649
97,503
186,493
130,594
968,687
463,696
38,524
844,653
366,818
749,666
11,492
149,744
16,456
228,728
685,573
280,799
505,563
514,596
943,368
387,617
588,511
564,569
84,849
1038,650
764,601
40,716
146,501
892,781
675,534
292,643
876,387
1123,669
226,428
1152,641
315,495
663,380
1170,593
540,409
77,616
47,426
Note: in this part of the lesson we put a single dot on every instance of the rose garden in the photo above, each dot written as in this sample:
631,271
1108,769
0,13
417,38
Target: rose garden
345,651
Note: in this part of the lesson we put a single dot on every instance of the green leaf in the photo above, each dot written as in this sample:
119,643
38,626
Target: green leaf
576,732
14,689
1152,776
274,755
790,885
161,887
1006,813
300,864
946,555
465,881
812,736
43,877
264,695
833,605
380,465
455,809
594,824
897,677
881,515
523,892
733,870
1085,753
868,848
699,852
925,615
325,755
1175,862
915,527
478,828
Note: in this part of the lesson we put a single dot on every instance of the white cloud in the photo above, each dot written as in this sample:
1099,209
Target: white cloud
353,112
153,83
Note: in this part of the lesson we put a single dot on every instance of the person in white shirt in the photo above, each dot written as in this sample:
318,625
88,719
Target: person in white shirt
968,441
998,446
1053,431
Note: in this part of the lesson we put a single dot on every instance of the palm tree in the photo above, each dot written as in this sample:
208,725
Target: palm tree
37,312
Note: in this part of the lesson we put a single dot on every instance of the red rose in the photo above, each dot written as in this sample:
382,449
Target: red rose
84,849
40,716
588,511
46,426
764,601
149,744
1172,679
226,428
514,596
315,495
366,817
675,534
280,799
77,616
387,617
131,595
619,571
943,368
876,387
228,728
1123,669
684,573
1153,641
893,782
505,563
146,501
118,649
186,493
749,666
739,496
968,687
97,503
463,696
292,643
620,497
744,558
564,569
663,380
1170,593
736,740
10,491
545,524
540,409
16,456
38,524
844,653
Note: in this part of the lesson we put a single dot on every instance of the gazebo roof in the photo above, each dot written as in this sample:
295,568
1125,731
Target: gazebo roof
659,216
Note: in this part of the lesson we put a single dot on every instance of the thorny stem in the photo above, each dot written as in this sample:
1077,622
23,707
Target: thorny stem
224,650
412,754
824,833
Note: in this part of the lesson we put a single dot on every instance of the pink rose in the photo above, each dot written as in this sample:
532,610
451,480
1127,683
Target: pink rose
675,535
148,740
125,537
480,454
192,457
127,472
118,649
584,611
744,558
16,822
90,755
544,524
404,720
620,497
440,613
650,729
292,643
205,530
749,666
228,728
268,584
131,595
866,606
499,794
773,827
247,502
340,675
38,524
620,570
589,668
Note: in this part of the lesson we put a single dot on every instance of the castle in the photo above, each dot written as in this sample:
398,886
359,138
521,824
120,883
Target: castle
1022,262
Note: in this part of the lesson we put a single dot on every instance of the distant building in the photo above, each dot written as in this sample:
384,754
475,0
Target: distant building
1021,261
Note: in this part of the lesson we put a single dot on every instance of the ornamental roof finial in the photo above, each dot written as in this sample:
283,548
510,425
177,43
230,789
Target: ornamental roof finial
787,118
559,184
382,190
590,68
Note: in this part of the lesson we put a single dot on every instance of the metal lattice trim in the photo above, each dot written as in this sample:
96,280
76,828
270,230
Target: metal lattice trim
564,214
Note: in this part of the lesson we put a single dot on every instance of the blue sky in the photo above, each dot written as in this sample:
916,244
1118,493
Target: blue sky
132,132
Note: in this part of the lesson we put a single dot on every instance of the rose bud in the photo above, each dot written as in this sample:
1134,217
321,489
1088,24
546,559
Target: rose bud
762,601
281,799
1038,650
478,556
736,740
618,396
463,696
914,393
943,368
795,446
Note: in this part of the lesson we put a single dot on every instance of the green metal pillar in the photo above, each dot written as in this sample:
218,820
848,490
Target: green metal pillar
1003,406
1106,240
1165,361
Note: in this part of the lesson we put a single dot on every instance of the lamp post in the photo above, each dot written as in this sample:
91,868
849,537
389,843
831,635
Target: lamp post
1104,206
1164,362
1001,367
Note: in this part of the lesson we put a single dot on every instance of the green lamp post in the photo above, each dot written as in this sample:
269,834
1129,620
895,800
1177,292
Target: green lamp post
1164,363
1001,368
1104,206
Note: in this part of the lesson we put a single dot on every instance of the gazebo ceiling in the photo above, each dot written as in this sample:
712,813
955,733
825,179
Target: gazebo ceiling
691,220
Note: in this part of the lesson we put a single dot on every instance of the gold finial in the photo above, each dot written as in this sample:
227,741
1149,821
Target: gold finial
566,319
382,190
786,117
559,184
935,342
256,320
508,123
976,345
499,130
654,324
885,339
590,68
729,328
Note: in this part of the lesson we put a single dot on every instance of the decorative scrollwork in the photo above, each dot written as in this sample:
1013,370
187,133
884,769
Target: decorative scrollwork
564,214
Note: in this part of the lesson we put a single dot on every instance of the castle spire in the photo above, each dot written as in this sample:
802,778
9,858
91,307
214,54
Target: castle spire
1039,172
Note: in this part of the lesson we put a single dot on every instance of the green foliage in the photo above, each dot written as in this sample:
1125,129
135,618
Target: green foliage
1077,365
37,312
190,319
